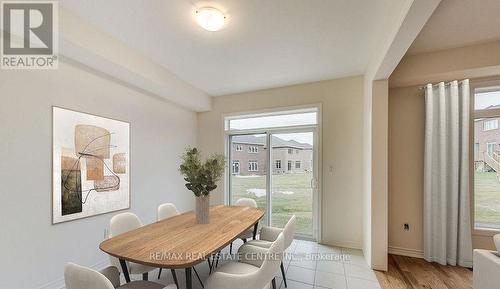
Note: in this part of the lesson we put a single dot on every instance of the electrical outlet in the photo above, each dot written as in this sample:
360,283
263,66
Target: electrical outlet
406,227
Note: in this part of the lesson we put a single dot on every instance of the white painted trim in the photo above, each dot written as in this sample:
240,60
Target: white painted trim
59,282
272,111
406,252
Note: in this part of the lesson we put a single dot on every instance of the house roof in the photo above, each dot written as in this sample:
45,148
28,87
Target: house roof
276,142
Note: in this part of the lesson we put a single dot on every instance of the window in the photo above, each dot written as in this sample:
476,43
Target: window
297,117
490,124
486,174
290,151
239,148
253,166
253,149
297,164
265,173
490,148
236,167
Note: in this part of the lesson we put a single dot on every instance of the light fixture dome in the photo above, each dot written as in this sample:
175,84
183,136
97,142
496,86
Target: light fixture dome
210,18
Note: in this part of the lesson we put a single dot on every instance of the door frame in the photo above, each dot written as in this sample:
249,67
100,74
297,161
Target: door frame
317,159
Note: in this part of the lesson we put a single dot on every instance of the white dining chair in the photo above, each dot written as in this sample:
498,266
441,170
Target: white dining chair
79,277
120,224
250,272
244,202
269,234
165,211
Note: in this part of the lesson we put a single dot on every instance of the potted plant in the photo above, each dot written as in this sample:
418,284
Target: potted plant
201,178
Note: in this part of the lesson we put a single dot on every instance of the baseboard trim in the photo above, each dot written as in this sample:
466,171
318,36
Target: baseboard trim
343,244
406,252
59,282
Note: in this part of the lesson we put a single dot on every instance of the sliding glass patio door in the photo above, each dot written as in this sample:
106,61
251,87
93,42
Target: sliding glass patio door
283,180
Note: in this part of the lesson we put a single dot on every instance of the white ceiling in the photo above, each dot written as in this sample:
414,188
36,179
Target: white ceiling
264,44
457,23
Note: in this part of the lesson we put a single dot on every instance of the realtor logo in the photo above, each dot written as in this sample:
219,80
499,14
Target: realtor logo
29,35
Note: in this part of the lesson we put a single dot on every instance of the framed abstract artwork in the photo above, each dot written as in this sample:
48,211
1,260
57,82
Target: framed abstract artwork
91,165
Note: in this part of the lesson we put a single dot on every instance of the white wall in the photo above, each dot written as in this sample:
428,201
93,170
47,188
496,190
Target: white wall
342,143
33,251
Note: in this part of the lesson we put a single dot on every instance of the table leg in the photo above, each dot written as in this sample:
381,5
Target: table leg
189,280
255,230
175,278
125,270
209,265
198,276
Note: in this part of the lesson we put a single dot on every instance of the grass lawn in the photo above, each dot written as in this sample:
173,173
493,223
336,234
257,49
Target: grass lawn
292,194
487,199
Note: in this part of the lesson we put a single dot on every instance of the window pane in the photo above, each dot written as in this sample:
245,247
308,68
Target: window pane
487,98
487,173
281,120
292,193
248,178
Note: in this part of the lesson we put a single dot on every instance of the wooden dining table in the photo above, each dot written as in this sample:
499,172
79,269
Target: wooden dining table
179,242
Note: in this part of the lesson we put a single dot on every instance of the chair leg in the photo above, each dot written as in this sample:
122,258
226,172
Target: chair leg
217,262
244,240
175,278
231,248
159,273
283,274
145,276
274,283
198,276
210,265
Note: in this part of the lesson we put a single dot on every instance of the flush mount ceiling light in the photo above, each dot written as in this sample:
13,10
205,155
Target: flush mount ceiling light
210,18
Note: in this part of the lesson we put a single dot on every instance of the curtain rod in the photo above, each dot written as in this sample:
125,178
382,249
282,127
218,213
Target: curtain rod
445,83
472,80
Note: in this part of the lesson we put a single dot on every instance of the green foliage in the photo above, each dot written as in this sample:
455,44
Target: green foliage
201,177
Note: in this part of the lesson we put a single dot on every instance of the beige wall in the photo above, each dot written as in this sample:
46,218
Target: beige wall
406,167
406,133
34,249
379,199
466,62
342,143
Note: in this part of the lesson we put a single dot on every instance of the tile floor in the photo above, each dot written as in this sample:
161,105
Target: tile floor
337,268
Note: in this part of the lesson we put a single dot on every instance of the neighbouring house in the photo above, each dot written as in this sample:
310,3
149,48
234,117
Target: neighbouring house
248,154
486,144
